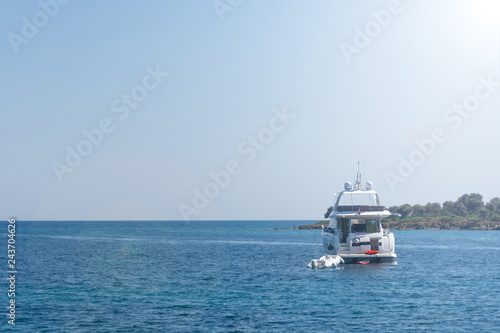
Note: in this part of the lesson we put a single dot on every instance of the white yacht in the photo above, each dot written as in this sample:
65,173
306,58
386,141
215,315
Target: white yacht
355,230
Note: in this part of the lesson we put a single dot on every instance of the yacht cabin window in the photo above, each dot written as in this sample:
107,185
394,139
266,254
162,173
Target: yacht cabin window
365,225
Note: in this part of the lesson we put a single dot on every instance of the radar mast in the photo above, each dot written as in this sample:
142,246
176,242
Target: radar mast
358,179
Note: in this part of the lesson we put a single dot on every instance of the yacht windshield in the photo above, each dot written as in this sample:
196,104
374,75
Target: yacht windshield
355,199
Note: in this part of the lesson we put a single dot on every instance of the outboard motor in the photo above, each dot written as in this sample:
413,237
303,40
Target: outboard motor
331,240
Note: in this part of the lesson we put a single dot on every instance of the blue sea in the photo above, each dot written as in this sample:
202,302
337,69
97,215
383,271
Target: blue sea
245,276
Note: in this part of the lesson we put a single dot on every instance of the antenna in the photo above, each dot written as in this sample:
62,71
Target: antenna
353,175
358,179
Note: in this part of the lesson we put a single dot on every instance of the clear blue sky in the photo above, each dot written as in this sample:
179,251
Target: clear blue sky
232,67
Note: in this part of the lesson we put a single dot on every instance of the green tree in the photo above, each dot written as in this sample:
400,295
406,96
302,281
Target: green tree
448,207
485,214
393,209
433,209
460,209
473,202
418,210
494,205
405,210
394,212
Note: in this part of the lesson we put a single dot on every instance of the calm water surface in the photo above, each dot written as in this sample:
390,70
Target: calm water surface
245,276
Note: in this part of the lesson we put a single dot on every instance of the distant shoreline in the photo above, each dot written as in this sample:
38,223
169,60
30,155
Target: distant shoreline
422,225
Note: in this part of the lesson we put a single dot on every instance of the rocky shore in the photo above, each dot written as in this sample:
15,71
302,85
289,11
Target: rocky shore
317,225
424,225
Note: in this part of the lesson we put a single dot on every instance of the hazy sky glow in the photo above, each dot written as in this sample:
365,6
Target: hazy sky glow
244,110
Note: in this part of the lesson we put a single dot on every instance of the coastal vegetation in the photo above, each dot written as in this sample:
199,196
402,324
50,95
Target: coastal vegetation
468,207
469,211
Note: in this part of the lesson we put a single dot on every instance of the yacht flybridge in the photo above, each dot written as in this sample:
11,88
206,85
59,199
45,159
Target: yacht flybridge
355,233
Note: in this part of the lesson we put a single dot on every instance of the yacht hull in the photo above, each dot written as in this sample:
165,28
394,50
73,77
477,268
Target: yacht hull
352,258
